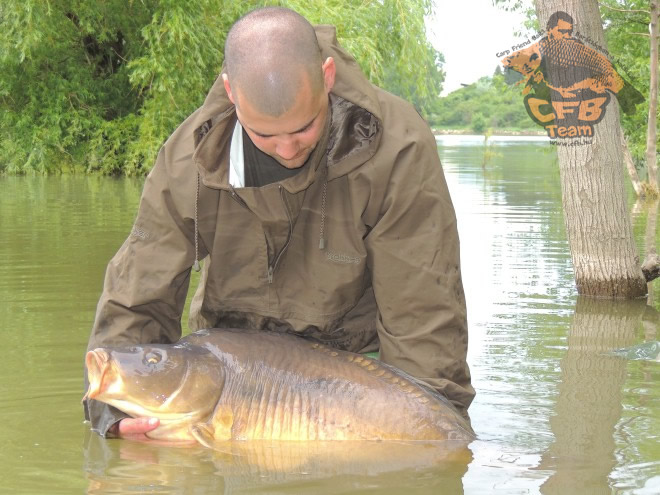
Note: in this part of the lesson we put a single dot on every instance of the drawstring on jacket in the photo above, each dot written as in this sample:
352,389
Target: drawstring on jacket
323,196
196,266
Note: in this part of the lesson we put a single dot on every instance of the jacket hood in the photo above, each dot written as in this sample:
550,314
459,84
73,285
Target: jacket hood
351,84
354,130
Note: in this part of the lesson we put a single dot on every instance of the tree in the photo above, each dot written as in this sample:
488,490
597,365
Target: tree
99,86
498,103
422,94
598,226
627,21
626,31
652,134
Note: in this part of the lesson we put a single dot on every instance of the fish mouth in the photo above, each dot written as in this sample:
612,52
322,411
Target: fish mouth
97,363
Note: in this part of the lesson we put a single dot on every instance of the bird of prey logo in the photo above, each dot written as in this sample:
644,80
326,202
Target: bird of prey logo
568,84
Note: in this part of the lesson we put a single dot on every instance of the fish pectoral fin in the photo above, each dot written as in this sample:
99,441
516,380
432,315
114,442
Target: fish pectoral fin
217,430
204,434
222,422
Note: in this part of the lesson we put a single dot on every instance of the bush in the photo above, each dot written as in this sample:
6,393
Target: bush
478,123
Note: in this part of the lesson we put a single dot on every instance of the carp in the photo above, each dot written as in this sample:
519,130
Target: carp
218,385
568,63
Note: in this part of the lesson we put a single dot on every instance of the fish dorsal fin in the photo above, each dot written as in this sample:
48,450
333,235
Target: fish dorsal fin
217,430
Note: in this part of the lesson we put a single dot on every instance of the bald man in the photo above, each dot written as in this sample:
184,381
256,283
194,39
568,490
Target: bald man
317,206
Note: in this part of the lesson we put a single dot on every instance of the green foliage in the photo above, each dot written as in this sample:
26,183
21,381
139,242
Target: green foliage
98,86
423,94
478,123
631,53
488,103
531,23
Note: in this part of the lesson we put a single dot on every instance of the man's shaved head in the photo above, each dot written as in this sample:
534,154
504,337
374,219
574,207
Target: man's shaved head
269,54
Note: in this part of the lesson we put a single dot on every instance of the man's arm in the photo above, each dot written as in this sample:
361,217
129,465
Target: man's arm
147,280
414,258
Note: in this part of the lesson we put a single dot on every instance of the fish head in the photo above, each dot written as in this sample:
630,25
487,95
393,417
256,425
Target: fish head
524,61
169,382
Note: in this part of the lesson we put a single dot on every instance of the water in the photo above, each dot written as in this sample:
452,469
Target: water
556,410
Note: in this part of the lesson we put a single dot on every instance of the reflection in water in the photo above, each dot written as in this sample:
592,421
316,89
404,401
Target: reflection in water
649,351
650,239
122,466
589,405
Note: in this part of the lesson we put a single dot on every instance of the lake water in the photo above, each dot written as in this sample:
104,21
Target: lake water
556,411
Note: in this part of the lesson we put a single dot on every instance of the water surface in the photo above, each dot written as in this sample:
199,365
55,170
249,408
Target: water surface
556,411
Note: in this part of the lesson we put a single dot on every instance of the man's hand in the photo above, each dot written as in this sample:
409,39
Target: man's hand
134,428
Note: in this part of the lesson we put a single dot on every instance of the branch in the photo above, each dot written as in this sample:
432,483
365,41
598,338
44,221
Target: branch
624,10
117,53
642,34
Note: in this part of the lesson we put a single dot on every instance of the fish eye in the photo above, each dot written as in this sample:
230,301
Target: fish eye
153,357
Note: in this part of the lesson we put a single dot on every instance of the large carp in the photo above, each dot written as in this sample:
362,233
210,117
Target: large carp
222,384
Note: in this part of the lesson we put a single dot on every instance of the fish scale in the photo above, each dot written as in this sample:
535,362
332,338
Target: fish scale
317,421
569,53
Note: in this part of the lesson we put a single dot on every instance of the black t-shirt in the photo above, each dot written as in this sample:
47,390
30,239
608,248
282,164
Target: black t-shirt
262,169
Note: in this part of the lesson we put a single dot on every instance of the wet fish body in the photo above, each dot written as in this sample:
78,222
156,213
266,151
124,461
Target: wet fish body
572,61
222,384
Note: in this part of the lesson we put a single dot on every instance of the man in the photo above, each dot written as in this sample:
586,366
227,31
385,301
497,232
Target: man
319,205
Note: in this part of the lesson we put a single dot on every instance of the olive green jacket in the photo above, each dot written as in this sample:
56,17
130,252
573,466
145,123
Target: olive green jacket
359,250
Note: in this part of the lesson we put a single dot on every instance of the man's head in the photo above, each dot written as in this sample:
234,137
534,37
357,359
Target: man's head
560,25
276,78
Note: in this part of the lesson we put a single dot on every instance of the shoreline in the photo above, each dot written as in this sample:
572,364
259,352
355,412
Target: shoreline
495,132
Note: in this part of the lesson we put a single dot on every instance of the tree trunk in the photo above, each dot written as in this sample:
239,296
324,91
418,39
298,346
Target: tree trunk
651,265
598,226
630,165
652,134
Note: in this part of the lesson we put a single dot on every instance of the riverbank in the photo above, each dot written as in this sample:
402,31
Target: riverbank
493,132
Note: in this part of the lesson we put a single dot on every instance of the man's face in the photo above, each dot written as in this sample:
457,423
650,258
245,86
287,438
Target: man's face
291,137
563,29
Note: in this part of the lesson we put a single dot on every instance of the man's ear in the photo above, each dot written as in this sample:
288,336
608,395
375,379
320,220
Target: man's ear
329,71
225,80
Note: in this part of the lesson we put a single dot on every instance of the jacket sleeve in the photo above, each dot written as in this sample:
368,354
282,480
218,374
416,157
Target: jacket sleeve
413,255
147,280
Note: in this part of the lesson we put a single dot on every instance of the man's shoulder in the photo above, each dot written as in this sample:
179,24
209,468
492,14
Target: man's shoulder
184,136
400,119
397,109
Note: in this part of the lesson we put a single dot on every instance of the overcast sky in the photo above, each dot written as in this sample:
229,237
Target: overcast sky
470,33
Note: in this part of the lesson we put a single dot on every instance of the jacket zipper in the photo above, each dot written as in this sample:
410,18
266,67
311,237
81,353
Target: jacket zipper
272,267
238,199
